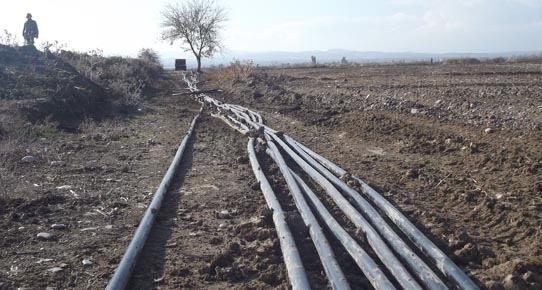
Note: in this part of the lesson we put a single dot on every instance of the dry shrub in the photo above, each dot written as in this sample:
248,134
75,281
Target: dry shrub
127,79
151,60
8,39
53,47
237,71
463,60
536,58
495,60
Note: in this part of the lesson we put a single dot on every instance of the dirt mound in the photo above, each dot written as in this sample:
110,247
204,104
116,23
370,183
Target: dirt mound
46,87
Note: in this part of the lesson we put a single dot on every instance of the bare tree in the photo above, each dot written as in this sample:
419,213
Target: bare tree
197,24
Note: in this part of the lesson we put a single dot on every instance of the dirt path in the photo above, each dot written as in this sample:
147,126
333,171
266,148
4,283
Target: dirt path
212,234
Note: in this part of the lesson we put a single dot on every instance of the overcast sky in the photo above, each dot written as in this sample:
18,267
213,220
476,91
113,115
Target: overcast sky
123,27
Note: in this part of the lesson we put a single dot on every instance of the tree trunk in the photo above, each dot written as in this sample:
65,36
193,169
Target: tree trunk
198,58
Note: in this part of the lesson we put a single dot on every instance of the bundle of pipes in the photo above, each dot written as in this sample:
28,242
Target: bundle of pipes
409,270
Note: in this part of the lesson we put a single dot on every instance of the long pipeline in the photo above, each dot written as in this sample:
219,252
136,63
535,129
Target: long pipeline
441,261
124,270
331,267
364,261
292,259
373,238
416,265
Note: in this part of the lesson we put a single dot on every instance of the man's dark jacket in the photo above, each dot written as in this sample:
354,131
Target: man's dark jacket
31,28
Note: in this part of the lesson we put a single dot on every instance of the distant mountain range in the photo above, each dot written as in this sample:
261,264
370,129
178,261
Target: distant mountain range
328,56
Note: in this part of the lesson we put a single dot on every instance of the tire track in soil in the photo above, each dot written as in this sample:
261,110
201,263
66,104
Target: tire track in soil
214,230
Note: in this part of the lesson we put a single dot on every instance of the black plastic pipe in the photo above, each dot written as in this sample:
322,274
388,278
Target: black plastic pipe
124,270
329,262
417,266
439,259
292,259
373,238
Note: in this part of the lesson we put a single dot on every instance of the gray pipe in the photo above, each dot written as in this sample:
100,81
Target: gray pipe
416,265
127,264
376,242
367,265
439,259
447,267
331,267
294,266
373,238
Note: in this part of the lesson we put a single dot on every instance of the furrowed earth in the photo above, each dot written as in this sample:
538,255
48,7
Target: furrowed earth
456,146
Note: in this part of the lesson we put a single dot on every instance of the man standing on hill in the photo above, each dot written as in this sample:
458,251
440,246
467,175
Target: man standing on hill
30,30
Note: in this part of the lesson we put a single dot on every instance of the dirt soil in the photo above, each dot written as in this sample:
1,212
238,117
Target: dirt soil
456,147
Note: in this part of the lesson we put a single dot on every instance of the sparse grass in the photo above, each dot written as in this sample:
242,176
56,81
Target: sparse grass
53,47
18,140
43,93
110,130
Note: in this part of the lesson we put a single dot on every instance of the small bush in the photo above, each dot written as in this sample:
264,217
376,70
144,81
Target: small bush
496,60
8,39
237,71
149,55
242,69
151,60
465,60
53,47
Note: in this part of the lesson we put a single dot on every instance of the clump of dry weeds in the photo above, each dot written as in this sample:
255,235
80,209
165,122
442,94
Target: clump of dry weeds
128,80
236,71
